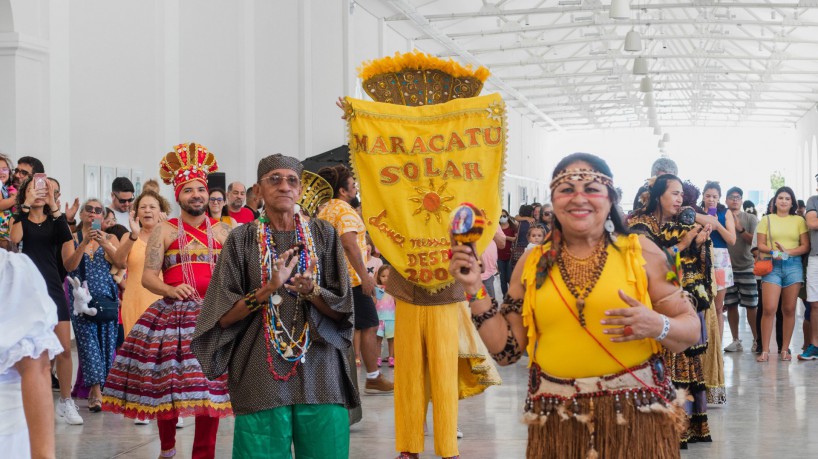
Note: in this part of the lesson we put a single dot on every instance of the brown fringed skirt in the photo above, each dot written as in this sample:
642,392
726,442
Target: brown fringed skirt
612,416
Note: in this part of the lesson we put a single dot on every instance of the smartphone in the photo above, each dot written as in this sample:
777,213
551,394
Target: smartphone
96,224
712,211
39,181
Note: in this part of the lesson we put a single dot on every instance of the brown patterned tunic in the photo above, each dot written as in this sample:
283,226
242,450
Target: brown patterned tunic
241,350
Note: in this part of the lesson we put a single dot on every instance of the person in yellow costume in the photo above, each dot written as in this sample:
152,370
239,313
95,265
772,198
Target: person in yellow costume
590,306
427,143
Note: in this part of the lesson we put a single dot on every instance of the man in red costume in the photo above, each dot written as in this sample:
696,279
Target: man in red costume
184,251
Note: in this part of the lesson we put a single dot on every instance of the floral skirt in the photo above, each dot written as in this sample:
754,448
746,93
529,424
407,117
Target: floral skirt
155,374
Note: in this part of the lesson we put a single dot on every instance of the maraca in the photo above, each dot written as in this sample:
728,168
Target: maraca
468,223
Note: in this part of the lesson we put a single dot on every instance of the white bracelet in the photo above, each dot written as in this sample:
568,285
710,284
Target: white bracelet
665,328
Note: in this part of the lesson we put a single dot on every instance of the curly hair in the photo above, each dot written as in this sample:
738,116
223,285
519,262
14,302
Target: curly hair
164,205
337,176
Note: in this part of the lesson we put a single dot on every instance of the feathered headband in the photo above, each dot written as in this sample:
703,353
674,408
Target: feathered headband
186,163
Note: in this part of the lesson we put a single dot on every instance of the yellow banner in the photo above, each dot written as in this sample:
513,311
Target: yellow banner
415,165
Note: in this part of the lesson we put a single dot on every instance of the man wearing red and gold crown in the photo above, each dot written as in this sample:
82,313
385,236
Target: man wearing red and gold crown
155,374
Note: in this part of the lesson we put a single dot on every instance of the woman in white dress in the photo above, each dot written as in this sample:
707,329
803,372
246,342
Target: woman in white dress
27,343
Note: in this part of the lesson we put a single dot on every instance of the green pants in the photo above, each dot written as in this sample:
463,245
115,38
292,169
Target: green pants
315,432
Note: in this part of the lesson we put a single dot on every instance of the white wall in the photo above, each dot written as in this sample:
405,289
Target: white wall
117,84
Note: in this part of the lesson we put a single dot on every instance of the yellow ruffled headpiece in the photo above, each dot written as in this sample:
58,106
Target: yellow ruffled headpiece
417,78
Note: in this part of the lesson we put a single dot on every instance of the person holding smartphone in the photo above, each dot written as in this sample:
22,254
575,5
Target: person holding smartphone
96,339
42,229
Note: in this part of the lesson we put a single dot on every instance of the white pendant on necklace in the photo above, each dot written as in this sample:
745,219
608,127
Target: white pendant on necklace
276,299
303,359
288,352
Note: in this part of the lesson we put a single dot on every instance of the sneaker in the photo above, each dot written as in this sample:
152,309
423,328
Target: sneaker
180,423
379,386
459,432
735,346
67,411
380,361
55,383
810,354
391,362
141,422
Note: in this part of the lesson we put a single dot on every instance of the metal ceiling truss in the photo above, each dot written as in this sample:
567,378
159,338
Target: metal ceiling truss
716,63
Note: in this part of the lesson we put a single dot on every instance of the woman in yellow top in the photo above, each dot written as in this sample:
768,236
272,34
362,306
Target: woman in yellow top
151,209
215,208
784,236
589,307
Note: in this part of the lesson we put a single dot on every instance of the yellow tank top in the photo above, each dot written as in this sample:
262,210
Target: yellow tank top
556,340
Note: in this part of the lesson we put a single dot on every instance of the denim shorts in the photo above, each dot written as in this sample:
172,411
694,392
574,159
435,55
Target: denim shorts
785,272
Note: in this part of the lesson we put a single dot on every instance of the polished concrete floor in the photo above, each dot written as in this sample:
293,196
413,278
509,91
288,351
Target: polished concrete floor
771,410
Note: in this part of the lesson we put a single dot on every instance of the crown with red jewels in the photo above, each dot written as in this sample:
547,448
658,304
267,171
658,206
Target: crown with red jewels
187,162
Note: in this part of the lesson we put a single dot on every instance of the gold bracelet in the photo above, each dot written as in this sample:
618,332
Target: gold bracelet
251,301
316,292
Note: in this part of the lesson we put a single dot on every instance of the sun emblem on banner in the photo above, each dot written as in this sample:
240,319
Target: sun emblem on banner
432,200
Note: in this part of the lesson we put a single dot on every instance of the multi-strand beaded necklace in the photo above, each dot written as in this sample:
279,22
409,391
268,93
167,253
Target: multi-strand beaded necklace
188,276
279,338
581,274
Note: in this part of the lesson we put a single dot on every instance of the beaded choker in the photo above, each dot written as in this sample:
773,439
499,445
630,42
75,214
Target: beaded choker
581,274
279,338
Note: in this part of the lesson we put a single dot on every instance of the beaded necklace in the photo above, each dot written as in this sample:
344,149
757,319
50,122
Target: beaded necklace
188,276
277,337
581,274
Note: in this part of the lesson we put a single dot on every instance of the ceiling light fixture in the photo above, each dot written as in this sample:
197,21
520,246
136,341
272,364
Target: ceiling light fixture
666,137
640,66
646,85
633,41
620,9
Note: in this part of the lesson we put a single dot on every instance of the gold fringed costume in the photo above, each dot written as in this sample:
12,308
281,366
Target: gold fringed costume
476,370
582,402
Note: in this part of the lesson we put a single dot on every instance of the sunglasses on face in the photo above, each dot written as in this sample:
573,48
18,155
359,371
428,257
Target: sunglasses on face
124,200
276,180
93,210
22,172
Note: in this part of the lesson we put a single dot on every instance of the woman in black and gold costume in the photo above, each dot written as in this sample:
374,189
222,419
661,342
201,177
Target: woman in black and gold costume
672,227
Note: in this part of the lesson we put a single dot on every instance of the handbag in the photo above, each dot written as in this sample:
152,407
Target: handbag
107,308
764,266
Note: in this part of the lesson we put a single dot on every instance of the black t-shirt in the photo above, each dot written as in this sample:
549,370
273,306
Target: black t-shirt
43,244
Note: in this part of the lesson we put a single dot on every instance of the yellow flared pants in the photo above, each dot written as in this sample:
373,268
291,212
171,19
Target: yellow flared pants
426,342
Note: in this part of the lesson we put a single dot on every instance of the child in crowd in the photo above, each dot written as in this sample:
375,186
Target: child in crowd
7,197
373,259
385,305
536,234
